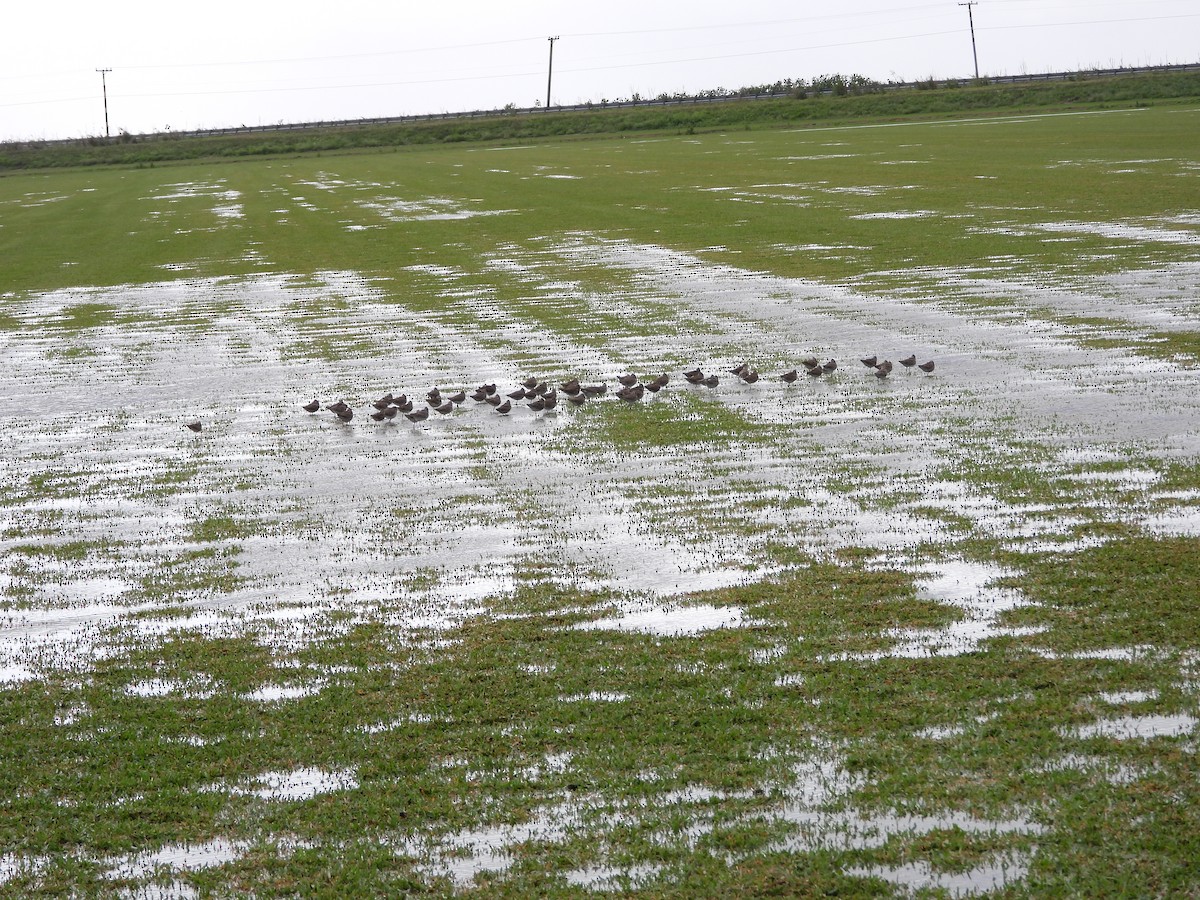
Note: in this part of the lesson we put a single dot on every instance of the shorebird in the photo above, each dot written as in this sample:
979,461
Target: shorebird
829,366
740,370
694,376
529,382
493,399
749,376
419,416
869,361
518,394
653,386
405,407
311,407
632,394
344,414
596,389
909,361
193,425
537,405
882,371
383,402
377,415
457,398
488,389
815,371
390,413
791,376
711,381
400,401
446,408
479,396
571,386
809,361
926,367
434,397
550,399
628,380
885,366
340,406
504,407
578,399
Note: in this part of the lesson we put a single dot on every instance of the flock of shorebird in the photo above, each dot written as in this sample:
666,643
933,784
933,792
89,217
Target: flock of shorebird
539,395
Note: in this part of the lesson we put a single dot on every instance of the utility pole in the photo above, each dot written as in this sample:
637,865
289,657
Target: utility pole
971,19
104,88
550,70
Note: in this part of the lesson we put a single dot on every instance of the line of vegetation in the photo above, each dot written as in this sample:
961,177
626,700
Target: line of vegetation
829,99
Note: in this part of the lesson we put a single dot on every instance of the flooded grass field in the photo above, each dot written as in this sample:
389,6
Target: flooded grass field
864,632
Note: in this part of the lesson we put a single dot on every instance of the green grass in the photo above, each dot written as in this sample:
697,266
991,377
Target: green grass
677,757
704,714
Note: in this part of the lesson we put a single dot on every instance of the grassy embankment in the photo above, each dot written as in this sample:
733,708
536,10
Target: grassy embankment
1084,91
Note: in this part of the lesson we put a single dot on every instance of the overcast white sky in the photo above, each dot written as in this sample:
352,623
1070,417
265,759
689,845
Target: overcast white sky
224,63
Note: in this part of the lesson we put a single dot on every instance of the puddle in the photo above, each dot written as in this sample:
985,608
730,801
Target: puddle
178,858
596,697
612,878
274,693
297,785
1001,871
964,585
671,621
470,537
1128,728
1101,768
1123,231
464,855
1118,698
13,866
164,688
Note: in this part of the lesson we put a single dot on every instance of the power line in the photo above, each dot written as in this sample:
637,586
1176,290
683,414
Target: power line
600,68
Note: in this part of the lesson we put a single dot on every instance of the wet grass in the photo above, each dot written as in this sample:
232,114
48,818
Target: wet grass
468,730
735,760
